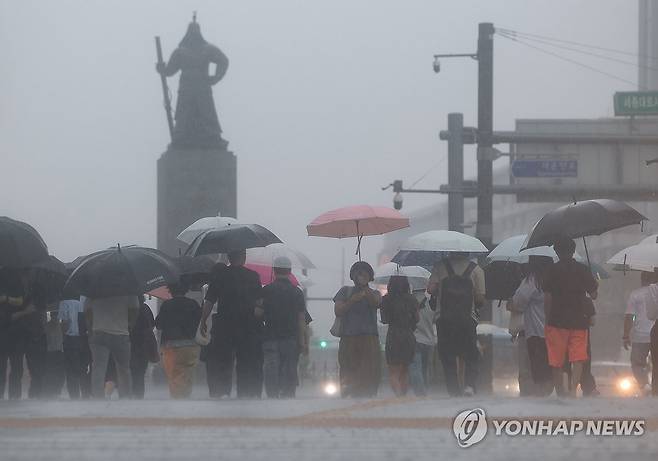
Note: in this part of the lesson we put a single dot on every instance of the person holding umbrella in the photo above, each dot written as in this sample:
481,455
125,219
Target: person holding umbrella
236,331
76,346
110,320
111,281
358,349
399,310
457,286
529,300
569,313
652,314
143,347
178,320
12,341
284,313
637,328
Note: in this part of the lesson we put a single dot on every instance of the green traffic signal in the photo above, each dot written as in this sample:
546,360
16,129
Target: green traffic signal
323,344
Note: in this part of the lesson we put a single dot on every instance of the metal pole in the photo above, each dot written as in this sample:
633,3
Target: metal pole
484,230
455,171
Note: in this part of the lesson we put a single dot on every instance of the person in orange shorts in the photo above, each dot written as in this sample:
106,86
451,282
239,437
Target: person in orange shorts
569,288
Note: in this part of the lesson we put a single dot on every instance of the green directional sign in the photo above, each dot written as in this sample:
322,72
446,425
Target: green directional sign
636,103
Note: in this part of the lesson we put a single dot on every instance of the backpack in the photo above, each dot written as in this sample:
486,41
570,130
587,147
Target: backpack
457,293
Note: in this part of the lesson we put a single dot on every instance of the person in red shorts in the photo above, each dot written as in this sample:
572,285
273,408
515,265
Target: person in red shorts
569,313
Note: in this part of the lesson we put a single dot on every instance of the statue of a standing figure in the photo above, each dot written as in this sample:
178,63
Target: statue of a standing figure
196,118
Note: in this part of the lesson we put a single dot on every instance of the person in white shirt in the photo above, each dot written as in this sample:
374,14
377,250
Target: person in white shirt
109,320
425,345
652,314
529,299
637,328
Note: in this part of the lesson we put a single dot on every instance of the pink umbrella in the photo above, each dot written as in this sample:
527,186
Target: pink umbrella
160,293
266,274
357,221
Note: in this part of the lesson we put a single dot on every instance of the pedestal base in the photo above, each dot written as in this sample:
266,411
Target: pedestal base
192,184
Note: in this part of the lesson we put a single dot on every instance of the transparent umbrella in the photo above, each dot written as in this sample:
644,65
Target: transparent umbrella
265,256
204,224
429,247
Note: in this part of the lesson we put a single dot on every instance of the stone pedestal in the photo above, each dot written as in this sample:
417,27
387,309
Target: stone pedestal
192,184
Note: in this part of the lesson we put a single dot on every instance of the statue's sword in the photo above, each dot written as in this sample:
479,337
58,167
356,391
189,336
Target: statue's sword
165,90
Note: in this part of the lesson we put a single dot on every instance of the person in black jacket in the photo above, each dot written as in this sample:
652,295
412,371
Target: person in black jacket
178,320
12,341
143,348
284,313
236,331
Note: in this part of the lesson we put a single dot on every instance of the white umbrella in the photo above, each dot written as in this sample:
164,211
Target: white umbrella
444,241
417,275
427,248
650,240
509,250
637,257
202,225
391,269
265,256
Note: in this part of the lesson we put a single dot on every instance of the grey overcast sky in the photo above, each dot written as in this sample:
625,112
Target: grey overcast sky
323,103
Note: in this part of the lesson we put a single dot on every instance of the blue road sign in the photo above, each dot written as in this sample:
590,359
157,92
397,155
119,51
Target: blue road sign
538,168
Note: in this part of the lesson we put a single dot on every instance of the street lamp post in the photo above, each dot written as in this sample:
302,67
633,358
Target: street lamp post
484,229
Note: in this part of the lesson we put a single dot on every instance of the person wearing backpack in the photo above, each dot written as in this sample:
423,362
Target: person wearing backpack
457,287
284,314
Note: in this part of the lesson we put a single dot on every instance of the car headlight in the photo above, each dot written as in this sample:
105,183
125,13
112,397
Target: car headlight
625,384
330,388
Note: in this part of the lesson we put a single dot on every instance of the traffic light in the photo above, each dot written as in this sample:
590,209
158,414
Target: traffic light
323,344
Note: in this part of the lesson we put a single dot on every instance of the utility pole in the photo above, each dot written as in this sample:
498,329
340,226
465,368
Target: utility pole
455,172
484,229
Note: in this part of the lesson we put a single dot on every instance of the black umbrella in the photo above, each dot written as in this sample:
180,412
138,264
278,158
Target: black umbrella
195,270
123,271
582,219
502,278
47,279
232,238
20,244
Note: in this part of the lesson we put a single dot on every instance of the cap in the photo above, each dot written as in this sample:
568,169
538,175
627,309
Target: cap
282,262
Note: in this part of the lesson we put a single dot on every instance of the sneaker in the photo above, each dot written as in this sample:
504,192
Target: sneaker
468,391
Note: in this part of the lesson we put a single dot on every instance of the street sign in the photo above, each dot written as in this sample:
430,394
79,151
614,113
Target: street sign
545,168
636,103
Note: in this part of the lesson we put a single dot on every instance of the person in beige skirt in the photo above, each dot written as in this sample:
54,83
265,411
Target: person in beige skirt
178,320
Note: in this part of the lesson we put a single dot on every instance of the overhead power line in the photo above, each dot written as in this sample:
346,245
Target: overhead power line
570,60
576,50
571,42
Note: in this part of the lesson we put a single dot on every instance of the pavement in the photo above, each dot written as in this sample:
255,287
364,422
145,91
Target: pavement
309,428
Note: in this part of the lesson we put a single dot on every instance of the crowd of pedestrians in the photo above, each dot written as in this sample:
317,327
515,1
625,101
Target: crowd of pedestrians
260,331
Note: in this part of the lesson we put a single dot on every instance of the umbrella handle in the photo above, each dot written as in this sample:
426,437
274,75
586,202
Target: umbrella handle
358,240
358,246
589,263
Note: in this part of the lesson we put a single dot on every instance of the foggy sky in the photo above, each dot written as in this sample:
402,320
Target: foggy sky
324,102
